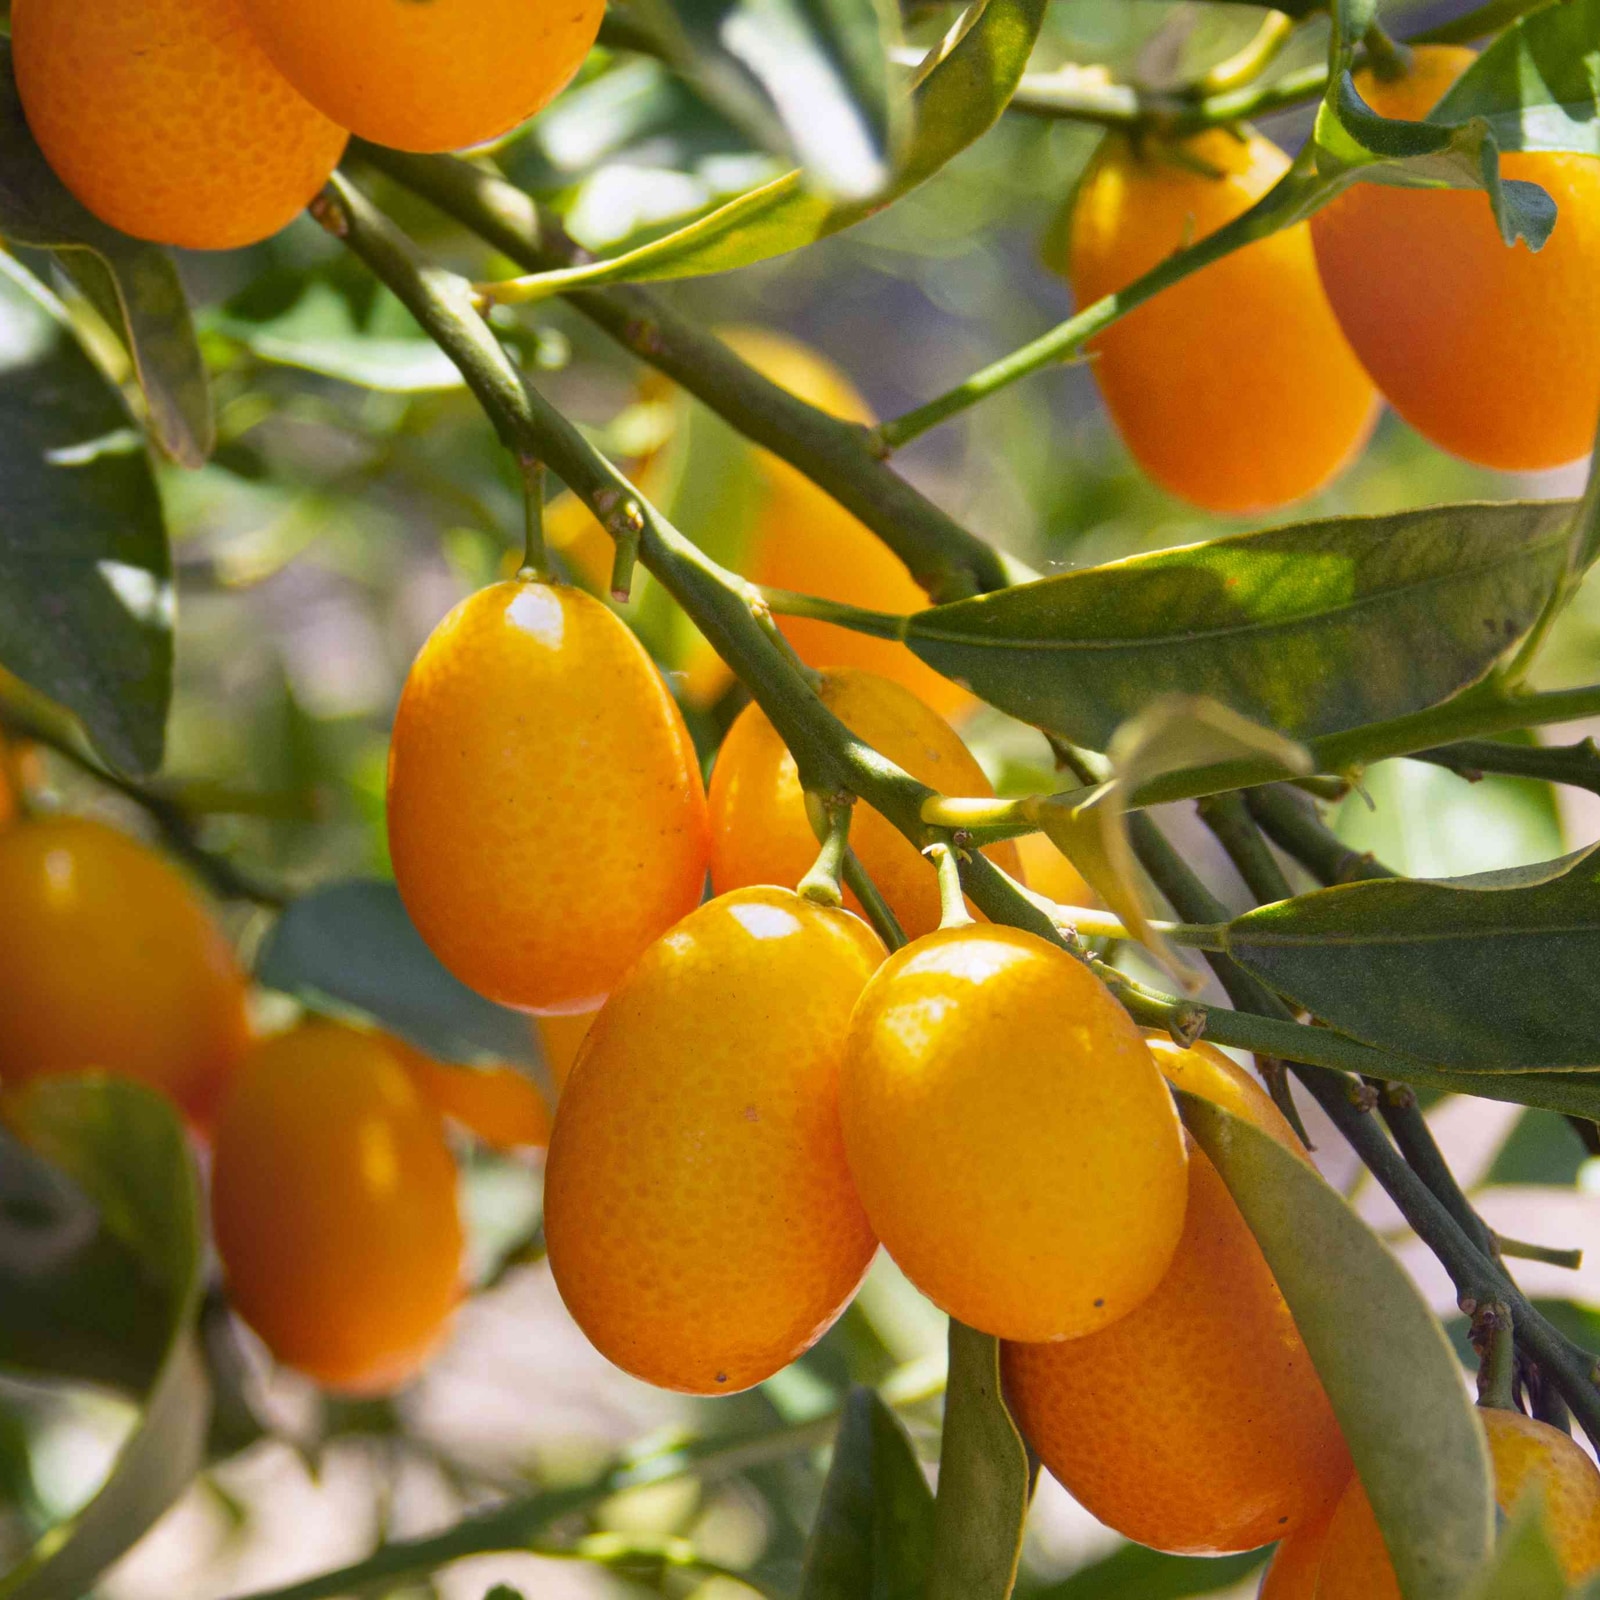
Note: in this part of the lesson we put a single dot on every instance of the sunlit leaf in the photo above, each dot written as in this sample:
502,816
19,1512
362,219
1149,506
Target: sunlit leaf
1310,629
86,595
125,1147
134,285
1385,1362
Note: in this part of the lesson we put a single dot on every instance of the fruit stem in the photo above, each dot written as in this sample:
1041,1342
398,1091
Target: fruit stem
1251,60
535,559
953,911
1492,1337
1550,1255
1389,60
829,816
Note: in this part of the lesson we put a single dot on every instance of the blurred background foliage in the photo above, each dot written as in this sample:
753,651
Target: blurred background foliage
357,492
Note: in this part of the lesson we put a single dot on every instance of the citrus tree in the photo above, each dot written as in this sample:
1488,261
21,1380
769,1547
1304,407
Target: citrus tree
801,848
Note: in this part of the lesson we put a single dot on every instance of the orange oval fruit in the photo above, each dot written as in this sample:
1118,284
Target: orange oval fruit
109,961
437,76
1048,872
1015,1148
1355,1562
1233,388
1296,1565
546,814
1492,353
333,1203
759,829
702,1225
1196,1424
499,1106
167,120
560,1039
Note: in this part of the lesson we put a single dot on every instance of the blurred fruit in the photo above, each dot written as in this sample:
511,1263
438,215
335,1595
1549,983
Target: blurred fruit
1196,1424
333,1201
109,960
1015,1148
702,1225
8,787
167,120
1355,1562
1490,352
1296,1565
427,77
498,1105
1050,873
559,1041
759,830
546,814
1233,388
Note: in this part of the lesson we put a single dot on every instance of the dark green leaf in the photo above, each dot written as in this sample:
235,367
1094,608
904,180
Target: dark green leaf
807,78
984,1478
351,947
959,97
134,285
1310,629
874,1531
1538,84
125,1147
1491,972
85,577
1384,1360
1135,1573
1524,1567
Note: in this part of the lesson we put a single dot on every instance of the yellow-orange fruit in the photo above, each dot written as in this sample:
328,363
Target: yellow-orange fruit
437,76
167,120
1196,1424
8,793
498,1105
333,1202
1296,1565
1015,1148
1355,1562
109,960
759,829
1492,353
560,1039
702,1225
1233,388
546,814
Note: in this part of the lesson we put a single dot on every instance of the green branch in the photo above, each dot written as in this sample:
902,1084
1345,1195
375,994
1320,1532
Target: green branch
1076,94
1576,765
946,560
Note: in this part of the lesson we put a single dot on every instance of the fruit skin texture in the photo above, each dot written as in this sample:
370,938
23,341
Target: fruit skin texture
333,1204
1234,388
167,120
438,76
1015,1148
1295,1566
109,961
702,1226
546,814
1196,1424
560,1039
497,1105
759,829
1492,353
1355,1563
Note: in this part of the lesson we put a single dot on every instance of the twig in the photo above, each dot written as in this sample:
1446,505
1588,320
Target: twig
1575,765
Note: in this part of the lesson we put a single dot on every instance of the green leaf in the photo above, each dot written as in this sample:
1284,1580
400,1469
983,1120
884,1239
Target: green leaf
134,285
806,78
85,577
125,1147
959,96
1524,1567
1538,85
1385,1362
1310,629
985,1480
1132,1572
351,947
1490,972
1354,144
874,1530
